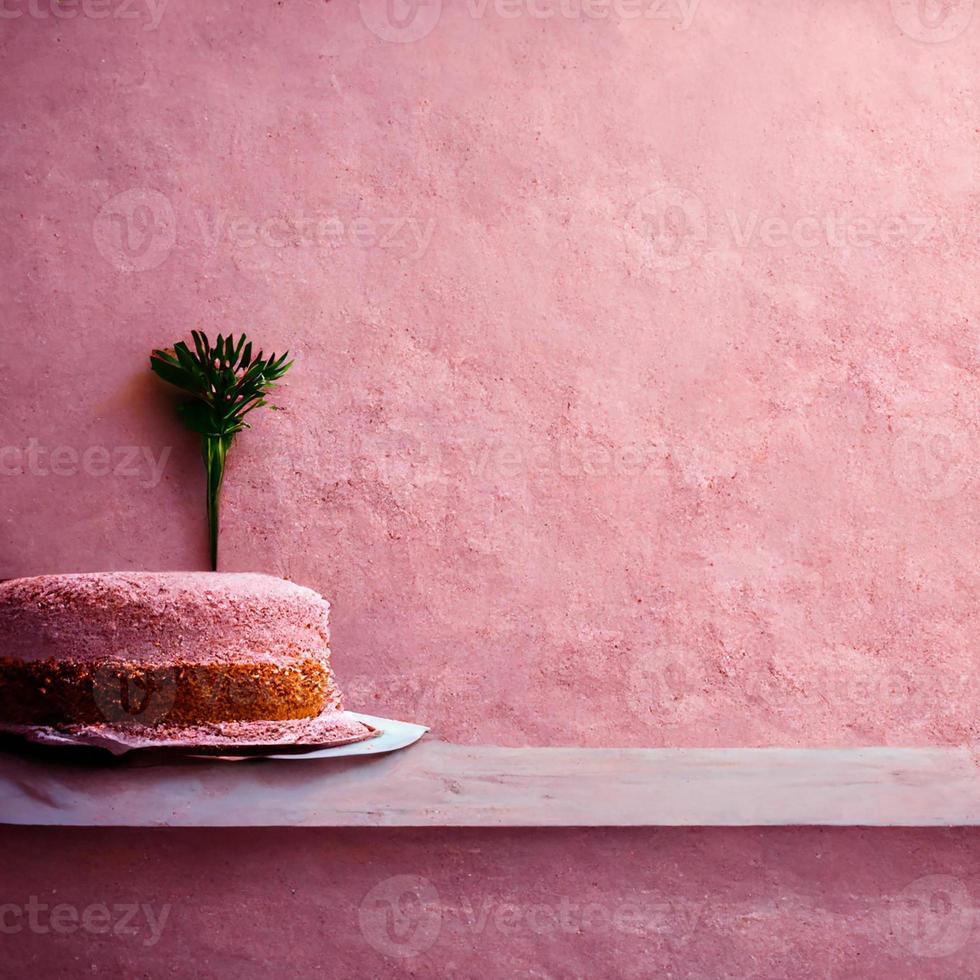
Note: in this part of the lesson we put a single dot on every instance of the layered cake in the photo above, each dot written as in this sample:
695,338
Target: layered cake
203,652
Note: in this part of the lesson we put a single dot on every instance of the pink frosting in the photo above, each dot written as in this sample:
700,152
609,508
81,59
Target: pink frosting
156,617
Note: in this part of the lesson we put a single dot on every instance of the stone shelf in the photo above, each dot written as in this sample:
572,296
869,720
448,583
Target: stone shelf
436,784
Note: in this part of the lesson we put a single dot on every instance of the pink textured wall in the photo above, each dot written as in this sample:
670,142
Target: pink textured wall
765,904
636,391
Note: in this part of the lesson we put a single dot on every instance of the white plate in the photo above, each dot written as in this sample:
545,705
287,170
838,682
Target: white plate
394,735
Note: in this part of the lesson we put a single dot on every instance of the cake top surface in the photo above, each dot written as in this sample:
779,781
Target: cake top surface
161,616
233,585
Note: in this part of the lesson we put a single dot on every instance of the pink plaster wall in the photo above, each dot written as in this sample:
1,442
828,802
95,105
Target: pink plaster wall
714,904
636,392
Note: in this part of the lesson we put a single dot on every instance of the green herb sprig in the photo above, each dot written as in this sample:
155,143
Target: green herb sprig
226,383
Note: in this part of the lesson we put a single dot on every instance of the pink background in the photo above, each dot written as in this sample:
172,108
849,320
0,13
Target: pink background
749,903
636,387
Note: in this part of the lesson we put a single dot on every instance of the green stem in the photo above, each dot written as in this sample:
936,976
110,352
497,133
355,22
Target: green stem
215,451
